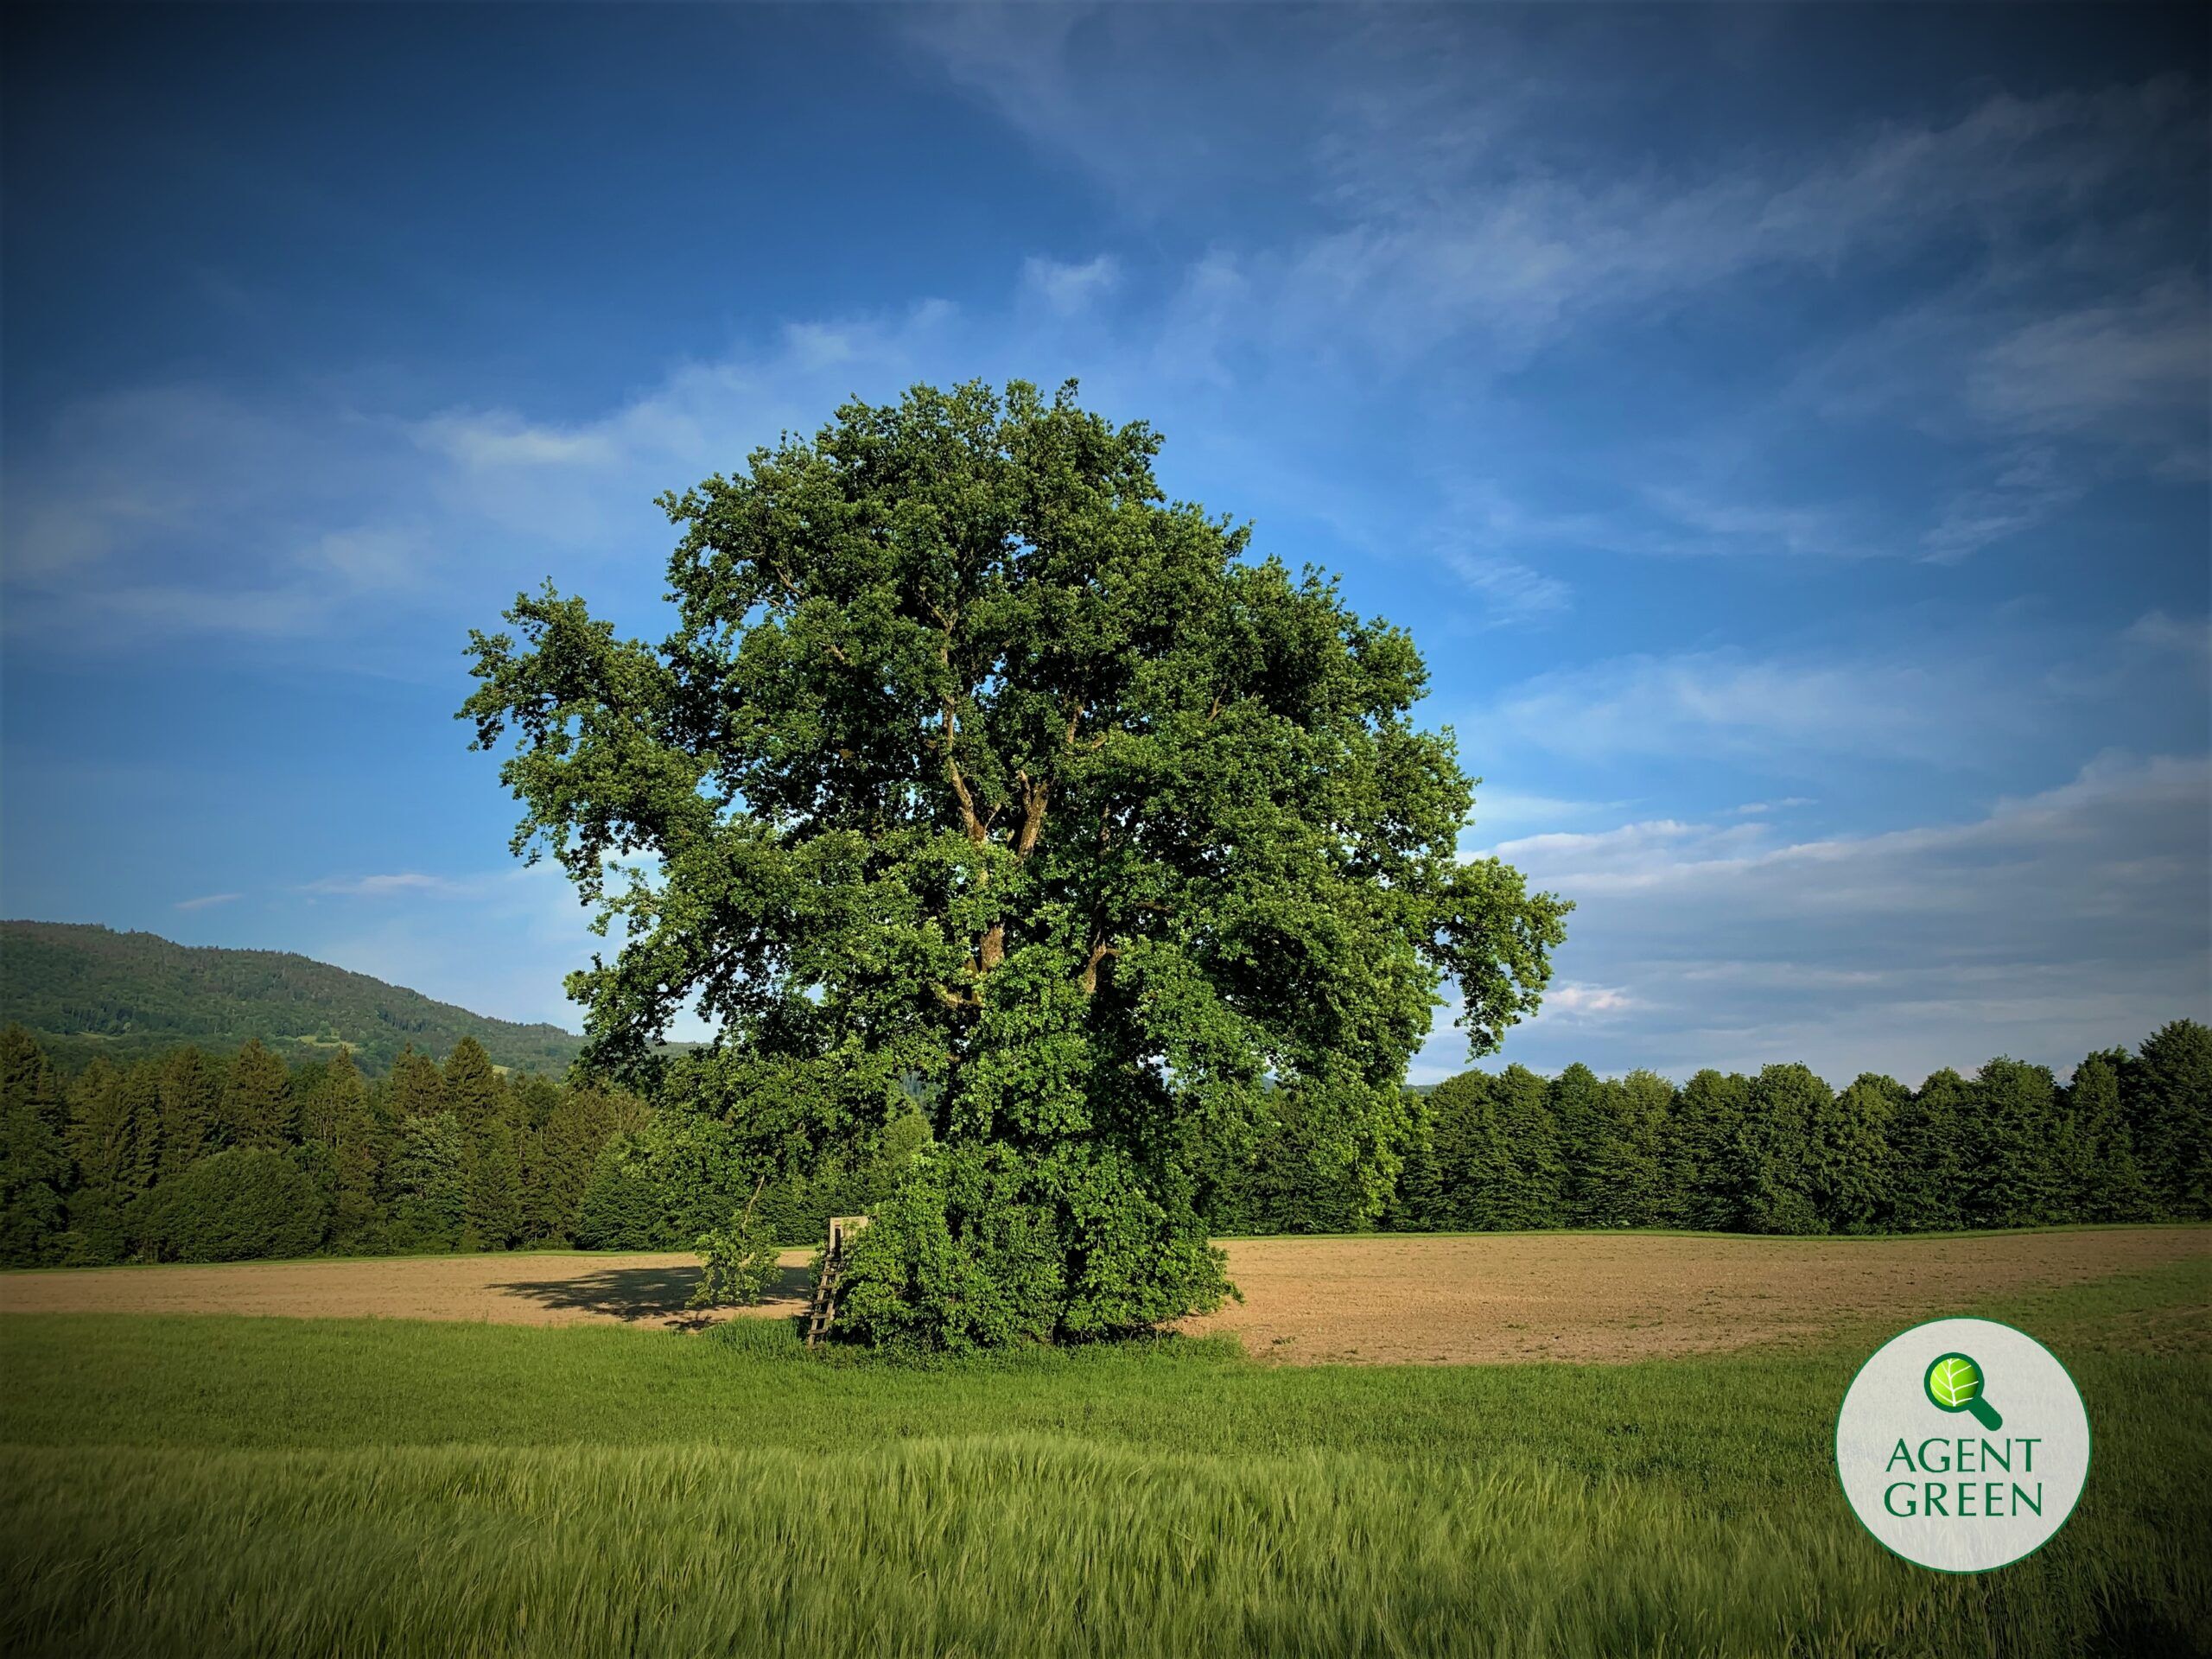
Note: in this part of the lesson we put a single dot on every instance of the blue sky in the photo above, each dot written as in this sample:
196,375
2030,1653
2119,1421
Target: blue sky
1783,429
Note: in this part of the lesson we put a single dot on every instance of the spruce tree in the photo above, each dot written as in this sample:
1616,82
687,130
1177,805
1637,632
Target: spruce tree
415,1089
1774,1172
2108,1182
1416,1206
1529,1153
35,1163
2015,1158
192,1097
473,1093
256,1100
1584,1117
561,1155
2167,1095
1620,1182
427,1185
1457,1109
1929,1143
1850,1156
479,1101
1702,1153
336,1125
140,1166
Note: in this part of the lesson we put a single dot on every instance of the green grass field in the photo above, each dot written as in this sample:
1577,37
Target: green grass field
282,1487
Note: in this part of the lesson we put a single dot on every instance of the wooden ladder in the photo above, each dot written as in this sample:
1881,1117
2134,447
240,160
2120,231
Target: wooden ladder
824,1311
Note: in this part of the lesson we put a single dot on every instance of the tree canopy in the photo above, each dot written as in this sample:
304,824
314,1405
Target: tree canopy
974,770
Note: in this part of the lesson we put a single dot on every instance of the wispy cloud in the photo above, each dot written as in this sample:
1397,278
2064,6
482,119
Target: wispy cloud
209,901
2050,923
382,887
1730,701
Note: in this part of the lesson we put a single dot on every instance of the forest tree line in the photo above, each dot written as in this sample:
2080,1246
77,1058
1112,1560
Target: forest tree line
191,1157
2129,1138
194,1157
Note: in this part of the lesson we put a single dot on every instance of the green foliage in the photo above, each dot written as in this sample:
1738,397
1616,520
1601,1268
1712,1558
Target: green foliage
256,1109
1931,1147
977,1249
89,992
35,1162
338,1133
427,1185
2167,1099
974,765
737,1262
2106,1180
238,1205
1853,1171
621,1208
2017,1160
1498,1148
192,1109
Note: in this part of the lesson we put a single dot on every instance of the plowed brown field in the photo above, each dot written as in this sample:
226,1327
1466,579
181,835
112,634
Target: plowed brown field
1374,1299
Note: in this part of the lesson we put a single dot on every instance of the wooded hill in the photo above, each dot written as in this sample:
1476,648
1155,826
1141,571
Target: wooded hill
89,991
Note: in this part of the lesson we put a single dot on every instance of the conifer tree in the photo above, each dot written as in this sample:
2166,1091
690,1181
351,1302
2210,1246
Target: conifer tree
2167,1097
2015,1156
192,1096
1497,1152
139,1155
1773,1175
473,1093
1620,1181
1310,1182
478,1100
1584,1117
1929,1143
562,1154
415,1089
336,1125
1417,1206
256,1100
99,1145
35,1163
1701,1153
427,1183
1530,1155
2107,1183
1850,1158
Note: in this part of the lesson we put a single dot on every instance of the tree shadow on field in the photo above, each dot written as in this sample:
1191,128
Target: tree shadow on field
660,1295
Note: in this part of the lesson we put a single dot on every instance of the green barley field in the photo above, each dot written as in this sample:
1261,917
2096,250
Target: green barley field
285,1487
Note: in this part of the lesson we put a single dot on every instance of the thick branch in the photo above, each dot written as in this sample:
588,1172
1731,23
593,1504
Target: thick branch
1098,954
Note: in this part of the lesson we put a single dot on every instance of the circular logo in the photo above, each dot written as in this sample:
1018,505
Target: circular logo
1962,1444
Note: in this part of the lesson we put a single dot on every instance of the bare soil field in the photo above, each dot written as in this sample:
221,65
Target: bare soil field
1399,1299
1379,1299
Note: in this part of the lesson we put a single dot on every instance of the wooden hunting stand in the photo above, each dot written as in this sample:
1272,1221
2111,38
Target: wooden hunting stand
824,1309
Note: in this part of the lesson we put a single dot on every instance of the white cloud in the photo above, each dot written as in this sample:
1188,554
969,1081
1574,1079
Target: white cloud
2117,365
1729,702
380,886
2155,631
208,900
1068,289
2052,923
1572,1000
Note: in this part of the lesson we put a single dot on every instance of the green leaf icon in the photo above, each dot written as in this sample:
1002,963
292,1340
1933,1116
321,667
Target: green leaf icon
1954,1383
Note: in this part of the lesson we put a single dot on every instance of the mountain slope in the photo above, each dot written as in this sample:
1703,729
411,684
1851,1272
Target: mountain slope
88,990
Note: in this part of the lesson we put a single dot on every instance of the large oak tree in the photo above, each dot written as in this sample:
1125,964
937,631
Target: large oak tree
977,772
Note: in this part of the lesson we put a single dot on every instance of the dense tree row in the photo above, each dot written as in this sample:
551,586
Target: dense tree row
2128,1139
189,1157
